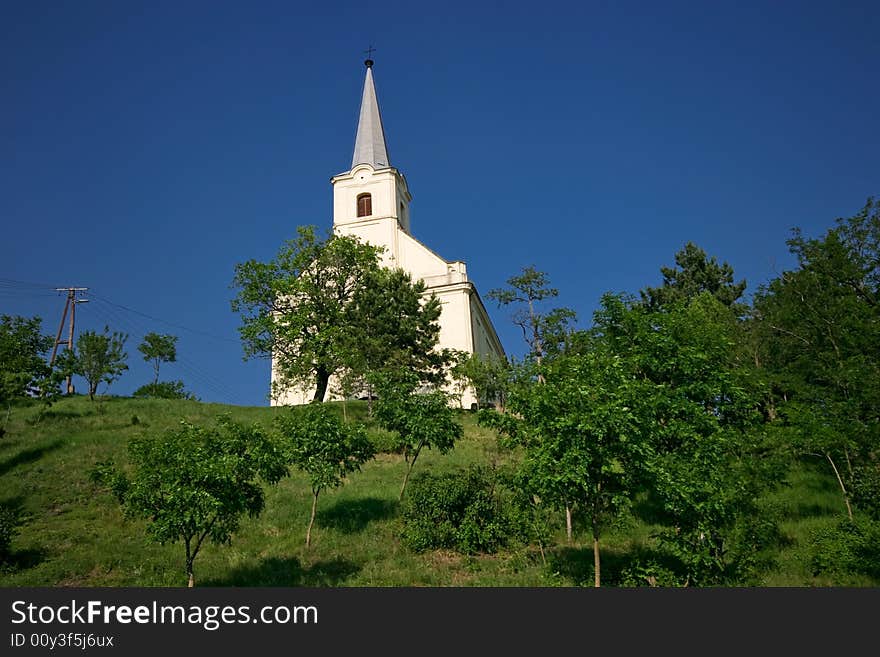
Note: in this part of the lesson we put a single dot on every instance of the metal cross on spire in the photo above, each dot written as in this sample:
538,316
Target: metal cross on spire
369,53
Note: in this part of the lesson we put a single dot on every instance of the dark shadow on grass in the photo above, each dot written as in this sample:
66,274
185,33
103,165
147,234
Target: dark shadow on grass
28,456
353,516
56,415
617,568
17,560
288,571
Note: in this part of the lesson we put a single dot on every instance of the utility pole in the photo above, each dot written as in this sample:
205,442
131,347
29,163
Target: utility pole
71,302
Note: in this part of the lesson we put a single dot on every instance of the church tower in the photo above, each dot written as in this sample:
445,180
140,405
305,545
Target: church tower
371,201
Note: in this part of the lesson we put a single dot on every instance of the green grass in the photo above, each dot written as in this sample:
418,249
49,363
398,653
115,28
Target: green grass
75,535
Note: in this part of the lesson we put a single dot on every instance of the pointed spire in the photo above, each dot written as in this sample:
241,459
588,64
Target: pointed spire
369,146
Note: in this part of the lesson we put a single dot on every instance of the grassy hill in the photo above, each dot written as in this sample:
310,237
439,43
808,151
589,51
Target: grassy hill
75,535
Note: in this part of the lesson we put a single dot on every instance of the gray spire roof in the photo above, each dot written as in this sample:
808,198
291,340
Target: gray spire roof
369,145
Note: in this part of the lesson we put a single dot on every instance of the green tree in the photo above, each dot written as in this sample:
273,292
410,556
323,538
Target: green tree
22,351
158,348
418,418
393,327
327,449
194,483
487,375
820,335
579,434
297,307
695,273
544,331
706,459
98,357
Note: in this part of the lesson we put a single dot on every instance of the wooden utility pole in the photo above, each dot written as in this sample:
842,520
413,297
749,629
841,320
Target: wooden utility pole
70,302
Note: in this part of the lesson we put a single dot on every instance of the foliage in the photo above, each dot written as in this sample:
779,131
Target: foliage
418,418
544,331
159,348
851,546
98,357
297,308
706,456
819,329
10,521
22,350
393,327
320,444
466,511
164,390
487,375
579,433
194,483
696,273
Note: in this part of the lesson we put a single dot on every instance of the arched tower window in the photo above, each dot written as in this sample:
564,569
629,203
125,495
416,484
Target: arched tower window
365,205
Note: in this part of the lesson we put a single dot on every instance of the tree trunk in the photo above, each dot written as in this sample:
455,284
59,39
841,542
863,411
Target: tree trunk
842,487
93,388
596,565
408,470
190,557
322,379
312,519
568,522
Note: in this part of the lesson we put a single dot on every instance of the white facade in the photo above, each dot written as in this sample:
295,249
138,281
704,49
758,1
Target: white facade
464,322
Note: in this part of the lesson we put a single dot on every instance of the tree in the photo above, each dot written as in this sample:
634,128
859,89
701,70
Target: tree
394,327
487,375
543,331
159,348
327,449
695,273
99,357
705,457
297,307
418,418
22,351
194,483
820,329
579,435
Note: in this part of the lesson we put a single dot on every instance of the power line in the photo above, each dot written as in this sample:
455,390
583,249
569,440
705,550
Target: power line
163,321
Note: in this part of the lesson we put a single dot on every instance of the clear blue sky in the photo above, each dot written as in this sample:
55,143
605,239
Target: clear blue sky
146,148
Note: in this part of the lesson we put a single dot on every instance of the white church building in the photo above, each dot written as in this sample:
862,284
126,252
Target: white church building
371,201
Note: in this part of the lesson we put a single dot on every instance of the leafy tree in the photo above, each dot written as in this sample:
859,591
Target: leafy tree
22,350
394,327
418,418
487,375
324,447
695,273
297,307
820,334
194,483
158,348
543,331
705,459
579,435
99,357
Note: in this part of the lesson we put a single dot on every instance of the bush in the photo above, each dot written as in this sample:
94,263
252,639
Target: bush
851,546
467,511
10,519
164,390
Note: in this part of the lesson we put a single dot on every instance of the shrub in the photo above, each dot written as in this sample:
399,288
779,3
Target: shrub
164,390
851,546
10,519
467,511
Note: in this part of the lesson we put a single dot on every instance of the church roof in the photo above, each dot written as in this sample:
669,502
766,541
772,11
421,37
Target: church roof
369,145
